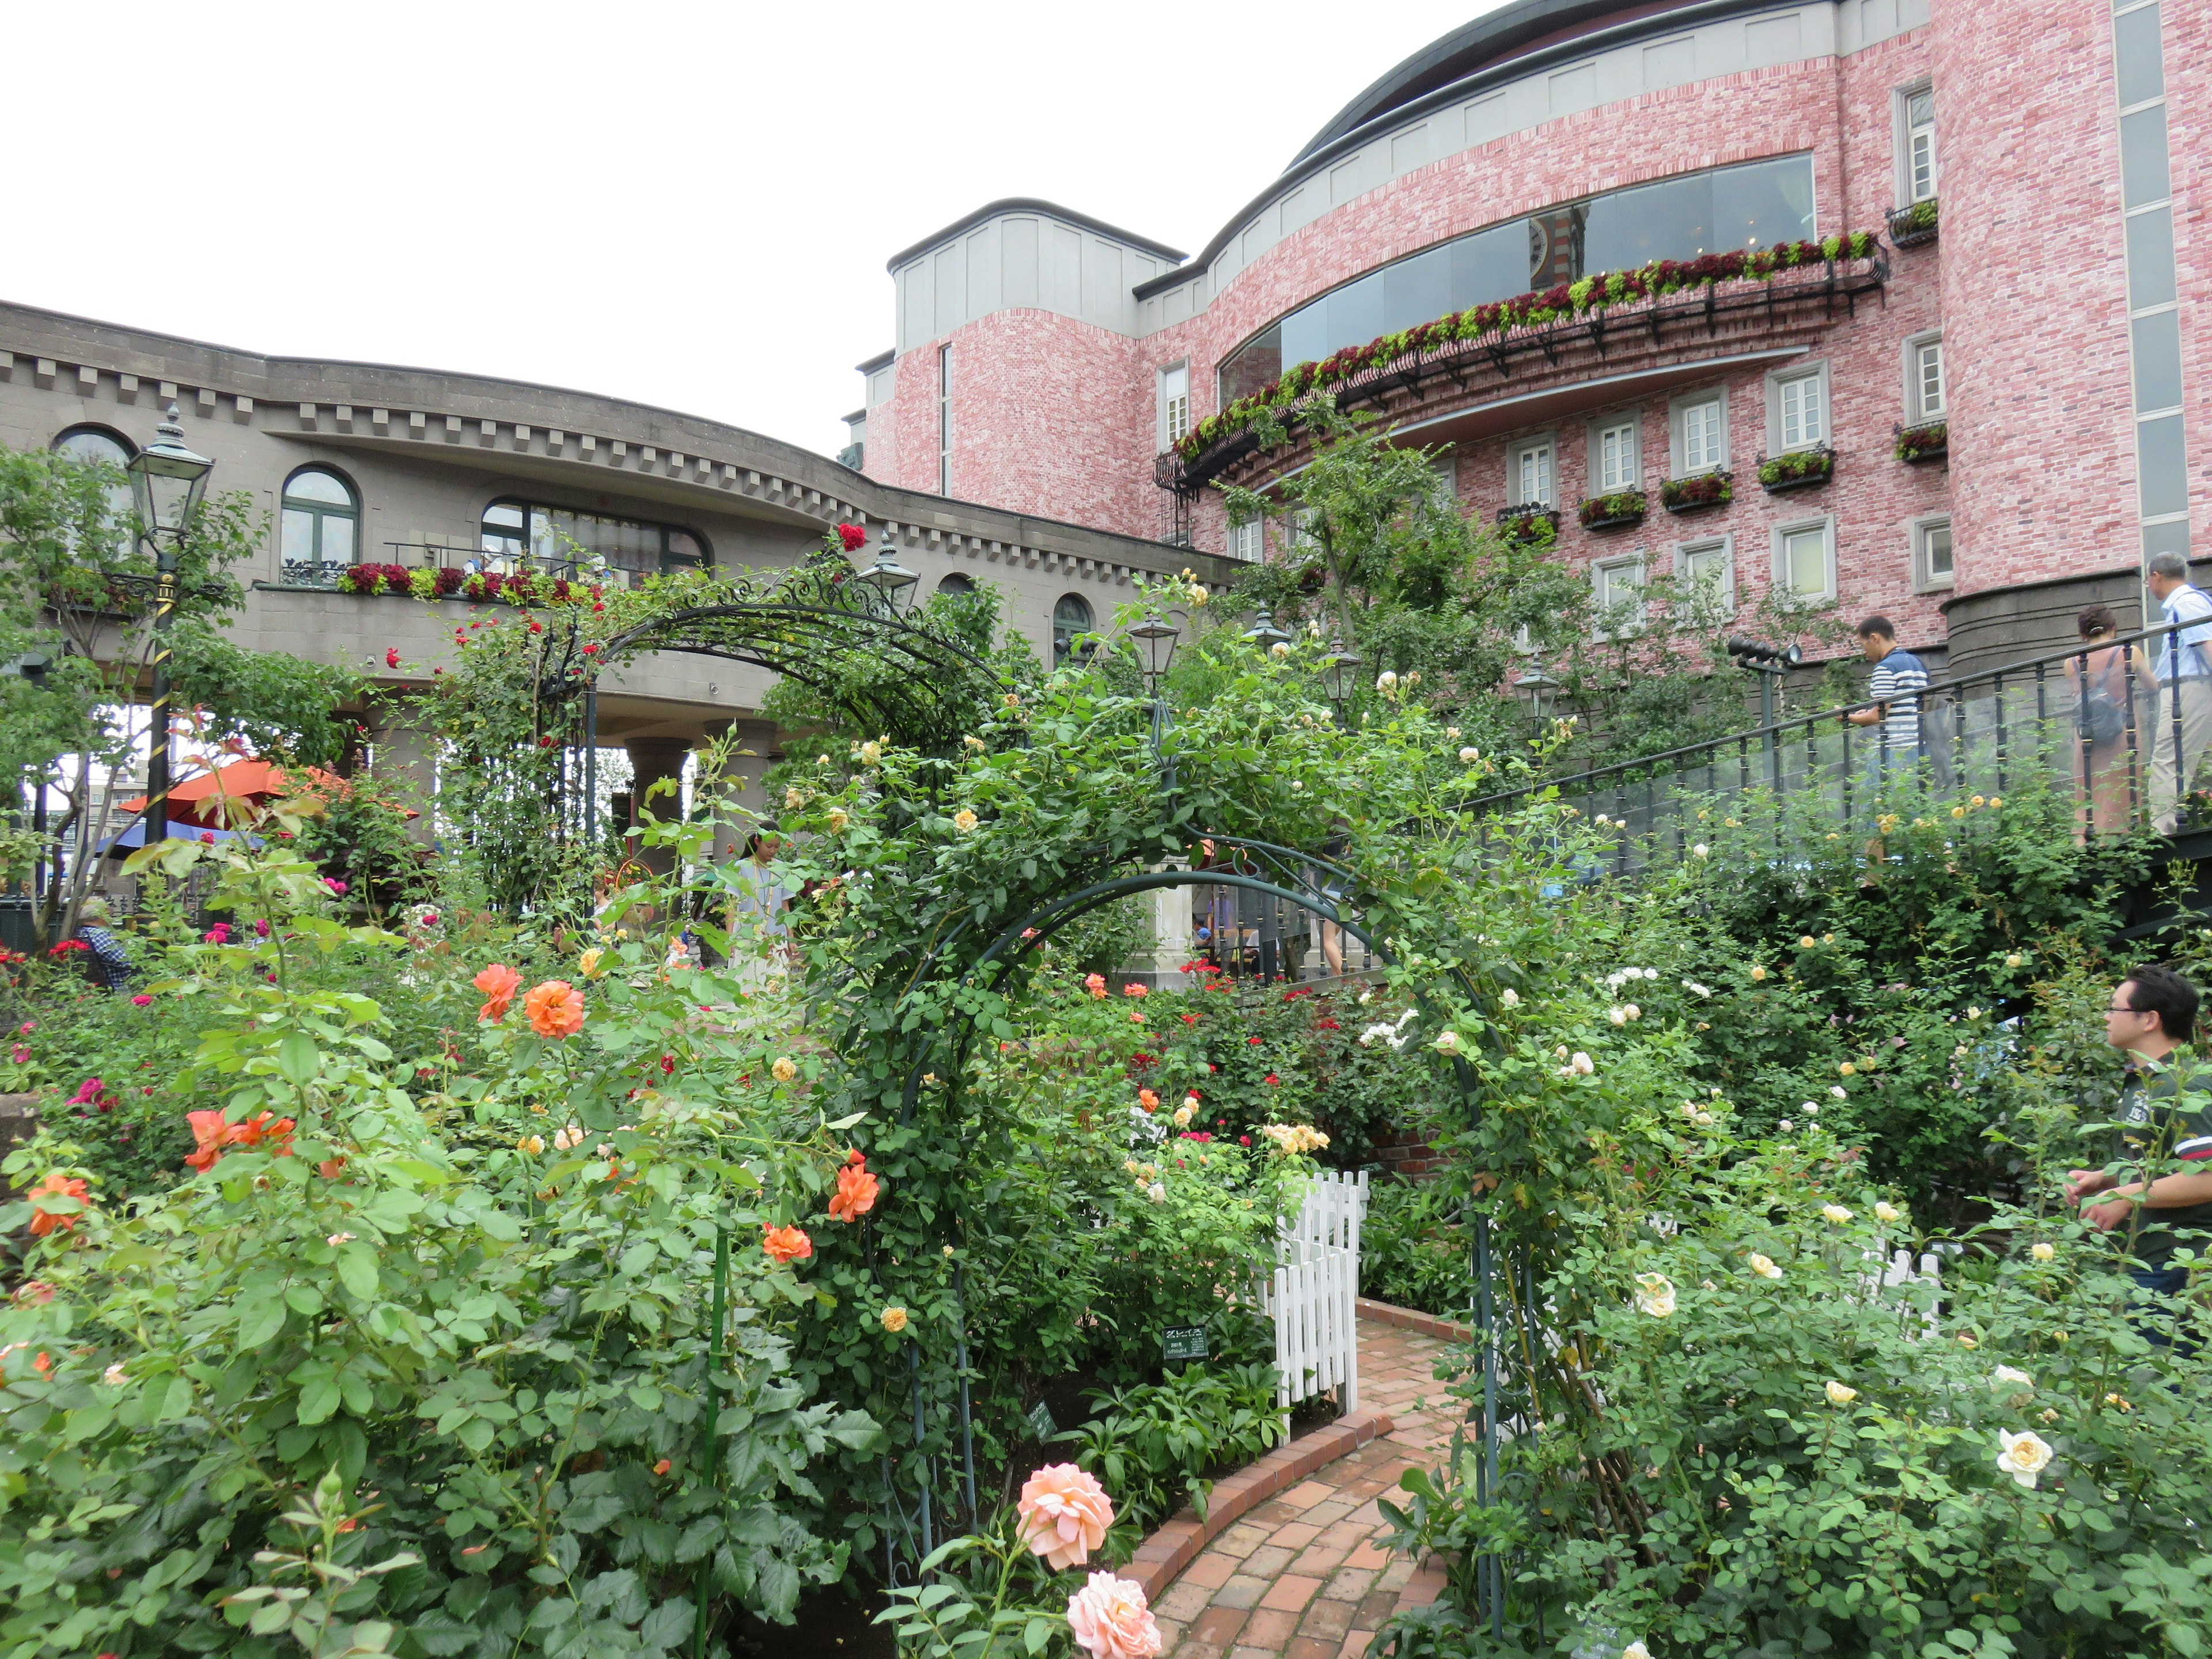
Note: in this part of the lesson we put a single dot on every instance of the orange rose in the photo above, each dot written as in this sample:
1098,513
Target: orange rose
1148,1100
856,1194
1064,1513
211,1135
555,1008
208,1133
785,1245
57,1185
498,984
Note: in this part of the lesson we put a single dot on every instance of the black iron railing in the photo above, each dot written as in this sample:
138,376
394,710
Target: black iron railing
2103,720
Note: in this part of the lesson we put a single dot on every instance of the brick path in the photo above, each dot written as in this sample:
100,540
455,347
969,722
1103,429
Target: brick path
1304,1574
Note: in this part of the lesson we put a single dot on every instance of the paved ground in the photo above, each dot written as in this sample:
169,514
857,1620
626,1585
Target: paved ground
1304,1574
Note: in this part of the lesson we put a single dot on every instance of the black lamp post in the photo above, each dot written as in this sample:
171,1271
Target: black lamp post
1773,664
168,483
1264,633
1156,643
890,582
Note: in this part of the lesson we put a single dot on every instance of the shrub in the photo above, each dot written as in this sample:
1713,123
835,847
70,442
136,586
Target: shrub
1152,1446
1414,1248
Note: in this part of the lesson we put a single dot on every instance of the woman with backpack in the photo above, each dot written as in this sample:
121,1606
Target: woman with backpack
2101,703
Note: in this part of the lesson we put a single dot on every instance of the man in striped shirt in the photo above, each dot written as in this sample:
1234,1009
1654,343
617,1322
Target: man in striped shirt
2180,726
1899,679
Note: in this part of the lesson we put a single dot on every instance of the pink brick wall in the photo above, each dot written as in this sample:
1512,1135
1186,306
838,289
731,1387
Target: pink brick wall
1050,416
2189,141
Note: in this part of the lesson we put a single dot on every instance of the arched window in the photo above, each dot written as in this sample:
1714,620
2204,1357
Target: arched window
957,582
321,524
98,443
1070,617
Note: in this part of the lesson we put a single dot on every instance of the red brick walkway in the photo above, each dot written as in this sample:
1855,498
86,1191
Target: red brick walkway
1304,1574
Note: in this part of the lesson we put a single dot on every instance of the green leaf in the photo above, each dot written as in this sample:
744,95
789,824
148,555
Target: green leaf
357,1270
299,1060
319,1400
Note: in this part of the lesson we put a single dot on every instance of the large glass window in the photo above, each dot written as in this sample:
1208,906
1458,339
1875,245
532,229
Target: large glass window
515,530
98,444
320,529
1758,205
1070,618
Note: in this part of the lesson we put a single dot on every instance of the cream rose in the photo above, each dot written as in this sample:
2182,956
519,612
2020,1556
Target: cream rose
1110,1620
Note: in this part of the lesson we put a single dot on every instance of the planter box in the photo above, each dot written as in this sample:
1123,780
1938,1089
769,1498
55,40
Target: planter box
1819,464
1722,486
1614,512
1919,444
1914,226
1520,524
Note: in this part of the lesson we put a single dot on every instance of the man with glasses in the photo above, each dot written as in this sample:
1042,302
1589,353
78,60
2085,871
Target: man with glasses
2166,1114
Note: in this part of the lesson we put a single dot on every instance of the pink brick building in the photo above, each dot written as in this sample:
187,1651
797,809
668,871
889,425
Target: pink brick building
2033,172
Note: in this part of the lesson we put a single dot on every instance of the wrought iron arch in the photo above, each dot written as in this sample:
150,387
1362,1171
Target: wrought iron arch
915,683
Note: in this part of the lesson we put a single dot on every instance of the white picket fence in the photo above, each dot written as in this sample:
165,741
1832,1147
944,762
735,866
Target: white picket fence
1315,1287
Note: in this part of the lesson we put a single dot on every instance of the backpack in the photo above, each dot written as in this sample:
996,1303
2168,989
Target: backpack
2099,716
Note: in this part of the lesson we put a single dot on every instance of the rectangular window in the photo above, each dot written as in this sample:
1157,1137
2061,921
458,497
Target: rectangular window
1247,541
1529,475
1175,404
1803,567
1928,400
1618,465
1800,410
1920,145
1705,572
945,420
1617,586
1446,469
1931,554
1699,446
2157,350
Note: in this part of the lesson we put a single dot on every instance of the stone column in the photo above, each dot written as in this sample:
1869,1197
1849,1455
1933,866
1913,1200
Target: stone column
403,764
1160,964
651,760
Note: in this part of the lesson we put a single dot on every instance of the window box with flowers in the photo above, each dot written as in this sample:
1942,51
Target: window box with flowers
450,582
1697,492
1529,524
1916,445
1800,469
1911,227
1622,509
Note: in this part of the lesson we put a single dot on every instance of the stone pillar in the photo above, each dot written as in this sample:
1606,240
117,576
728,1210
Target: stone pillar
403,764
1160,965
651,760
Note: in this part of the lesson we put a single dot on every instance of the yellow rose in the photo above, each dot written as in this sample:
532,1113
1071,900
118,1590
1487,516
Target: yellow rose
588,964
1759,973
964,820
838,819
895,1319
783,1070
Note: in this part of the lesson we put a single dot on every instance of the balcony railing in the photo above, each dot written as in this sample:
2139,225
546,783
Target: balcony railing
1911,227
2095,723
438,556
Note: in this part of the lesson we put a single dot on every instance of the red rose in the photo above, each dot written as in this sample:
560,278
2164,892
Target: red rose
392,656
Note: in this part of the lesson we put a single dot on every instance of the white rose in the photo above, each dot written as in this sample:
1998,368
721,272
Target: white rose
1655,1294
1157,1192
1636,1650
1785,1126
1836,1212
2042,1252
1581,1064
2023,1455
1886,1212
1764,1265
2013,1374
1701,851
1509,997
1618,1016
1840,1396
1469,756
1386,680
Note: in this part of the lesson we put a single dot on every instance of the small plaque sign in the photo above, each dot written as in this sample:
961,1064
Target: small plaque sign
1183,1342
1040,1423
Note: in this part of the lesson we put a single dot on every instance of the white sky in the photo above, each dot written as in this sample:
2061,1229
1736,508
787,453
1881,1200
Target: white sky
688,203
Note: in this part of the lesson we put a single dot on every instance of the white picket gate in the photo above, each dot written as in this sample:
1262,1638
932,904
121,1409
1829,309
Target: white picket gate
1316,1286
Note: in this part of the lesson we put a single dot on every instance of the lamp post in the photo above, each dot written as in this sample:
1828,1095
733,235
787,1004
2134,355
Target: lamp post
1771,664
1339,678
1263,632
890,583
167,482
1156,639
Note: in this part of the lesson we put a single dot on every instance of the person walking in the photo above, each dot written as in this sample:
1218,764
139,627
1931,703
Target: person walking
110,963
2100,697
2180,726
2165,1114
1894,687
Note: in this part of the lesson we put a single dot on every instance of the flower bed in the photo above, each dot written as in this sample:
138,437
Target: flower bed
1800,469
1916,444
1614,512
447,582
1695,495
1592,294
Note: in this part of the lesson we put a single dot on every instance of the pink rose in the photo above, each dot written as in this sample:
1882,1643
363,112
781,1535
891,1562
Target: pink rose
140,1000
1064,1513
1111,1619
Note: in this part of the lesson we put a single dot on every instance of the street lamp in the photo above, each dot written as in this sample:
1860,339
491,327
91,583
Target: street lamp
1340,678
1264,633
887,579
167,482
1157,639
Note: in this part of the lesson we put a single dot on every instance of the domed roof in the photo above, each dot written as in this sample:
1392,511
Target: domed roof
1473,46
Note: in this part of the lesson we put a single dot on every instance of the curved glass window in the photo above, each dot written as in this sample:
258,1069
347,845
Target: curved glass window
1070,617
957,582
1758,205
558,536
320,528
97,443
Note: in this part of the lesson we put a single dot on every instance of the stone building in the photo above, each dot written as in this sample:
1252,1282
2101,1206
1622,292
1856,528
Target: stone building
2033,171
366,463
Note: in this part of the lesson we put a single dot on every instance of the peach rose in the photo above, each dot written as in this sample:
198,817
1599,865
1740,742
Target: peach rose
856,1193
555,1008
498,984
56,1185
1065,1513
1111,1621
786,1245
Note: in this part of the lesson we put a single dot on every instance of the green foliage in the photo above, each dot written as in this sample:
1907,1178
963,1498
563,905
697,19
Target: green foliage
1415,1249
1152,1446
279,707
